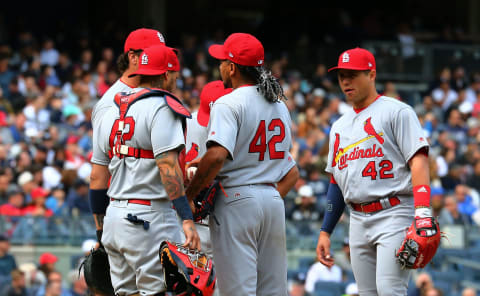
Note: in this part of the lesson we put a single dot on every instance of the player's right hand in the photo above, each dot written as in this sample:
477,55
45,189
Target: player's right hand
323,249
192,238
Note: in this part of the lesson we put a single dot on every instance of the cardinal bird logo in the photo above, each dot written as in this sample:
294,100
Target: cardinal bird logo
192,153
368,128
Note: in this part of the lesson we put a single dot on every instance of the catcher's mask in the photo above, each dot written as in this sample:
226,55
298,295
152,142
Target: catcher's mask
187,272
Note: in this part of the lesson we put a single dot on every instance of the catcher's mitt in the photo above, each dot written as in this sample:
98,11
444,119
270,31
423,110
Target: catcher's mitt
96,270
187,272
205,201
420,244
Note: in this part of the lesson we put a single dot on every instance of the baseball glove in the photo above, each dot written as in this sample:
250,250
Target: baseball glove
187,272
420,244
96,270
205,201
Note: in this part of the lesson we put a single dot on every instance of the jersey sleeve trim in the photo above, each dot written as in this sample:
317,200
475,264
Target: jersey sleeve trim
99,161
178,147
219,142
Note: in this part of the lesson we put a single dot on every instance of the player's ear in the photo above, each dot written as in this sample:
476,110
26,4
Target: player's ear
133,58
372,75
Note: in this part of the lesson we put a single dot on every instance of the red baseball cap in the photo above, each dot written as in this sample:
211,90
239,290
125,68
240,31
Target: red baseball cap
356,59
38,192
47,258
156,60
173,63
240,48
143,38
211,92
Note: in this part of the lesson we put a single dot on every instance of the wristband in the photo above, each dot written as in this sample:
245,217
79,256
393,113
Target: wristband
98,200
183,208
421,196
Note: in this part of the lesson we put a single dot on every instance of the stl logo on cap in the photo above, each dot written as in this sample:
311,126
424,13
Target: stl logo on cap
346,58
160,37
260,62
144,59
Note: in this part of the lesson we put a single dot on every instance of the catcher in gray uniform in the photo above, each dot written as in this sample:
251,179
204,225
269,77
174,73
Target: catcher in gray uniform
138,145
378,160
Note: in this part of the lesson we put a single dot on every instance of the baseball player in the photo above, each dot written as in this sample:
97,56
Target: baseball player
128,63
248,146
196,141
144,132
377,153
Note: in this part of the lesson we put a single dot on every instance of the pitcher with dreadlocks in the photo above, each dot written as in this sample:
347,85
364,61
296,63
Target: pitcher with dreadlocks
248,149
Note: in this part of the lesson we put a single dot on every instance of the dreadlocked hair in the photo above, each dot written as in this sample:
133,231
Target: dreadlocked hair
267,83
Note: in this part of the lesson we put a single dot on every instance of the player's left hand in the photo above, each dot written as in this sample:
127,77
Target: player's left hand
421,242
323,249
192,238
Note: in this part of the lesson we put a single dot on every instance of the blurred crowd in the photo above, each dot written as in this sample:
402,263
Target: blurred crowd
46,98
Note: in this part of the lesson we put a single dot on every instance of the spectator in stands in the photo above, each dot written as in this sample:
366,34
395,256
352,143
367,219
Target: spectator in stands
452,207
56,202
469,292
78,197
466,204
16,98
342,258
47,263
26,183
456,127
6,75
53,289
390,90
49,55
4,186
428,106
474,88
7,261
54,277
433,292
473,180
17,285
78,285
309,123
437,203
423,283
305,208
14,206
37,208
297,285
320,272
73,153
443,95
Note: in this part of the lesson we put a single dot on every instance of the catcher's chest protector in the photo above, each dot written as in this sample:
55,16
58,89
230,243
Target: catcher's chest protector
124,101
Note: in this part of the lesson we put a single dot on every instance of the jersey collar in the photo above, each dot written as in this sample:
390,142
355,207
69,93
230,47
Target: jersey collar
361,109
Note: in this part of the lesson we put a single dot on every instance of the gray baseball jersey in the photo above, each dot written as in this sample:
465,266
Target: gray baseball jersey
256,134
106,101
152,126
369,150
196,137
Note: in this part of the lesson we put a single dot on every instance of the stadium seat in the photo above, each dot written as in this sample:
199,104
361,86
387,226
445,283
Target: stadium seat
324,288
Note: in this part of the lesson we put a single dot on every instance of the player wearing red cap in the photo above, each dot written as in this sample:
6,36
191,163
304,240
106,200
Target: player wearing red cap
248,142
139,140
377,153
127,63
